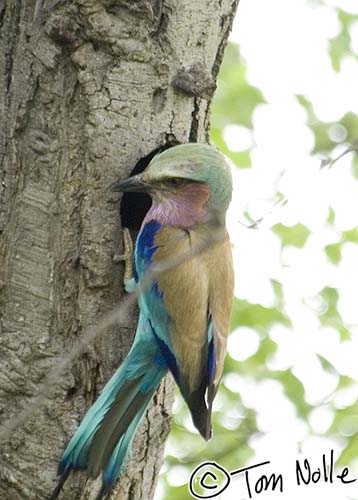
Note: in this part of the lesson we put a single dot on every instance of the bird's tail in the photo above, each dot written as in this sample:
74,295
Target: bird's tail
103,440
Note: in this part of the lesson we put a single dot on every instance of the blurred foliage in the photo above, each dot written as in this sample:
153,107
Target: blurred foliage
234,103
295,235
234,424
348,127
246,314
340,45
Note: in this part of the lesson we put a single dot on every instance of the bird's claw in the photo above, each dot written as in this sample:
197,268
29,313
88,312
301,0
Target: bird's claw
127,258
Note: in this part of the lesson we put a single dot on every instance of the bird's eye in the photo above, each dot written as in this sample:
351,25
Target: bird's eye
176,182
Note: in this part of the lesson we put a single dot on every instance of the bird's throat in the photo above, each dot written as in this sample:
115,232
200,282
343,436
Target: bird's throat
183,208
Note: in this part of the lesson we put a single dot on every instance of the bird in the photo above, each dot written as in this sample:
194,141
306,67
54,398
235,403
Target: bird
183,271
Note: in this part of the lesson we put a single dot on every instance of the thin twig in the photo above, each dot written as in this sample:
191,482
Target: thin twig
62,363
325,163
328,162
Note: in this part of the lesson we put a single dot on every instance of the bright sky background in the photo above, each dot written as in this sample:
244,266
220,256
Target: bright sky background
284,46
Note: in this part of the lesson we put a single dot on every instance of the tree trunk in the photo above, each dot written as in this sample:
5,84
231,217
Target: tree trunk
87,89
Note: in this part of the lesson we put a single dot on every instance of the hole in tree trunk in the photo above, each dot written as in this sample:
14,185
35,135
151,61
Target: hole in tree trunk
134,206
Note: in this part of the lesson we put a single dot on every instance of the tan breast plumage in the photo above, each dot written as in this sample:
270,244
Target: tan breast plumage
199,286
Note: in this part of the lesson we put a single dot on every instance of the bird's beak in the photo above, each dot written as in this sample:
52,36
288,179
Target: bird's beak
135,184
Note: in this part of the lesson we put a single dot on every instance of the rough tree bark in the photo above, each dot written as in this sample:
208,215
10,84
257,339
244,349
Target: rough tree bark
87,88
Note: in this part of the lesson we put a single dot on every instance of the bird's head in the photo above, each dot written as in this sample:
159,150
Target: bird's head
186,171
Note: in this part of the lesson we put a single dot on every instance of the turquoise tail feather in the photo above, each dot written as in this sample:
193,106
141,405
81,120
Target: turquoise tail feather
103,440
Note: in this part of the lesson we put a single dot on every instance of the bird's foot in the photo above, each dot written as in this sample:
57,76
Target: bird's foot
127,258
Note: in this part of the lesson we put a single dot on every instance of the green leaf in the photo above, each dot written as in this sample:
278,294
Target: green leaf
256,315
292,235
351,235
349,413
278,289
331,216
321,130
355,167
294,390
339,47
349,453
323,143
330,295
333,252
332,317
326,365
344,333
235,99
345,381
350,123
180,493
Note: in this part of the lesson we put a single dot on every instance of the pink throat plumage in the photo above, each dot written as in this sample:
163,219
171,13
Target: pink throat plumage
184,208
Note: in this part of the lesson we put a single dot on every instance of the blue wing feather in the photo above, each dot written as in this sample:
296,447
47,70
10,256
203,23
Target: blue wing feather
151,300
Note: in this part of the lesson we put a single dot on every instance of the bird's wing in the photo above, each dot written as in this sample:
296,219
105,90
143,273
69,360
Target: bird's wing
220,306
189,306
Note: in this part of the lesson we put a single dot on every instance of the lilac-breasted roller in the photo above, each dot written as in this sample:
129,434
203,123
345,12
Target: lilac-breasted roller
185,303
